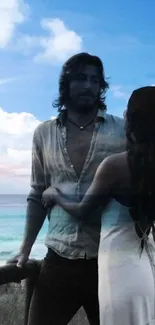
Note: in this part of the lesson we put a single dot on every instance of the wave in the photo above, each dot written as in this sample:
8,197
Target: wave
5,253
13,200
14,215
8,238
38,251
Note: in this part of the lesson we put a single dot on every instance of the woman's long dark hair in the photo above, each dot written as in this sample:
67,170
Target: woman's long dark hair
70,67
140,131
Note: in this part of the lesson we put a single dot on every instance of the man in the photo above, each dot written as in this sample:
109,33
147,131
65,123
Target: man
66,153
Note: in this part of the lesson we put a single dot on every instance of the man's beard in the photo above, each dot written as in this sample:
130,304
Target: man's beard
83,108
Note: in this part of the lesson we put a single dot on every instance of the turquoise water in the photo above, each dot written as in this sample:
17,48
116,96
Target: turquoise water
12,221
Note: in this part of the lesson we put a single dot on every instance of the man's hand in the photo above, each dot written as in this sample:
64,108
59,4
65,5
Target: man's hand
49,196
20,259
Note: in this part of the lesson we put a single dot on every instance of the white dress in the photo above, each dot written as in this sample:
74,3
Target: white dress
126,279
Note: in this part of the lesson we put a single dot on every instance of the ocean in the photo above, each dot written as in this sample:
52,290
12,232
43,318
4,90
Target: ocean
12,221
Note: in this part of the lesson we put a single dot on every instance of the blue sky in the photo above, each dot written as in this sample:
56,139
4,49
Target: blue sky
120,32
36,38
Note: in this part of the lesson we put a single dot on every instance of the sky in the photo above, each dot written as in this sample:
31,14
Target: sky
36,38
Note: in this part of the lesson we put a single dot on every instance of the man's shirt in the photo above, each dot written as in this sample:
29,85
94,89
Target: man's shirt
51,166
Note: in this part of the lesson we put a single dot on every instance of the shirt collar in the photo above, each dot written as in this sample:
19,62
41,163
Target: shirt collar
100,117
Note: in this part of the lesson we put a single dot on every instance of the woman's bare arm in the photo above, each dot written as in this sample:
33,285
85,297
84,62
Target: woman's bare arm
98,193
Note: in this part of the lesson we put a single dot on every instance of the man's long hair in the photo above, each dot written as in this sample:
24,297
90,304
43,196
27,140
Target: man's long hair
70,67
140,131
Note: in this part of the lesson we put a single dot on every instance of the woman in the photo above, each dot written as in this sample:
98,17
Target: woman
126,273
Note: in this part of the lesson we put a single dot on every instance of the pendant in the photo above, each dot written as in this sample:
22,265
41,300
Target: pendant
81,127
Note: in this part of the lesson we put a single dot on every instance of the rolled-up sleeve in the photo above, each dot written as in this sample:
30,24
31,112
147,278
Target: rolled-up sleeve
37,170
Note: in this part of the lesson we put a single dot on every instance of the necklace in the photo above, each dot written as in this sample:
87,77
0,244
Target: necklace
81,127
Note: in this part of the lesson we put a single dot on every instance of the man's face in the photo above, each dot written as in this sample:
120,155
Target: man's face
84,88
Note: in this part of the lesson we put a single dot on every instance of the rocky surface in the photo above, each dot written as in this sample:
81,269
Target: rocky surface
12,306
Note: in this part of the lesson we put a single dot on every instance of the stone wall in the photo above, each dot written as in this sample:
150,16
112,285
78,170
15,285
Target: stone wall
12,306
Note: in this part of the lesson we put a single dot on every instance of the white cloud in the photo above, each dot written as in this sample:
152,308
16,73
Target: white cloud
16,131
52,117
17,123
118,92
12,13
60,43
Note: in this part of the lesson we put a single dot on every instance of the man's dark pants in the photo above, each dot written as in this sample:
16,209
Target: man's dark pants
64,286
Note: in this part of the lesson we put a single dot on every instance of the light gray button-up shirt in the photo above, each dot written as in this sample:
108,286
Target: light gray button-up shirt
51,166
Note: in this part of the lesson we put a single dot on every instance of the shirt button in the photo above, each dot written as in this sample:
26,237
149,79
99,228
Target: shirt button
71,166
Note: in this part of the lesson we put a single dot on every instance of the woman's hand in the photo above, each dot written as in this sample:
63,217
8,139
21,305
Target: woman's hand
53,196
49,196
